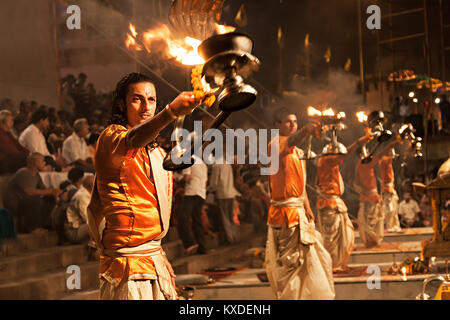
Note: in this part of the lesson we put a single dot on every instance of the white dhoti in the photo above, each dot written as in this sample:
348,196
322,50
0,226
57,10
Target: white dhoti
337,232
390,211
140,287
370,223
131,290
297,264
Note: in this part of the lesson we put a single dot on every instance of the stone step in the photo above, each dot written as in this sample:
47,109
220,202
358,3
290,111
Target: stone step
245,285
412,234
26,242
218,255
42,260
385,253
50,285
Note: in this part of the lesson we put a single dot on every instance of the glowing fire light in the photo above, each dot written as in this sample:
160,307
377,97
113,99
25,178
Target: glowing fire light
182,50
362,116
328,112
130,42
222,29
404,274
312,112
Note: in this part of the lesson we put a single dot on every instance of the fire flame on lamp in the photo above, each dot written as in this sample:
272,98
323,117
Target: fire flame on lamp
313,112
183,50
361,116
404,274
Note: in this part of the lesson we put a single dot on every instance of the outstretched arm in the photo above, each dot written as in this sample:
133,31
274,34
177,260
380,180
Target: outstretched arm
303,133
361,141
384,151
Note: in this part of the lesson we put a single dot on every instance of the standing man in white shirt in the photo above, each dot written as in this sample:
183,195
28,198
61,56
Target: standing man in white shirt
408,210
75,150
196,178
222,184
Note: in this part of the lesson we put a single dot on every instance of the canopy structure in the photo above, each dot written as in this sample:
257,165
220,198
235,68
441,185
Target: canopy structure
410,78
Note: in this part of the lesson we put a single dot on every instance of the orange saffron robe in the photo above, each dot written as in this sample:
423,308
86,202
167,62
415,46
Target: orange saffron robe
365,178
128,203
386,174
329,180
288,182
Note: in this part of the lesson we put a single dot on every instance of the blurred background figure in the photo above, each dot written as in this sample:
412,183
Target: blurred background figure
12,155
409,211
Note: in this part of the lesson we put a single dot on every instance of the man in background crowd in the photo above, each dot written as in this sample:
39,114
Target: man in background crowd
409,210
12,155
25,196
75,150
192,234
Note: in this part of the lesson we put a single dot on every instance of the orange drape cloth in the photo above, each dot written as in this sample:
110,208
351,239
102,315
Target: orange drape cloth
328,180
288,182
365,175
128,202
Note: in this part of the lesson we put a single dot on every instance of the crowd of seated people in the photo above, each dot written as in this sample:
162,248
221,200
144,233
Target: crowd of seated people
38,140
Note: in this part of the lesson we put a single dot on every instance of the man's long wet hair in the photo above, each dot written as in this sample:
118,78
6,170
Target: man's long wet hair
119,116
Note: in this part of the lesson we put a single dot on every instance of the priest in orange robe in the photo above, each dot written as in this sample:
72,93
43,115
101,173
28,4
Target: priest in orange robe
370,214
389,197
297,264
332,217
133,194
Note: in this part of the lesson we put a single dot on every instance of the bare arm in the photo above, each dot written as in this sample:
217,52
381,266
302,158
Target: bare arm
308,211
302,134
146,132
383,152
356,144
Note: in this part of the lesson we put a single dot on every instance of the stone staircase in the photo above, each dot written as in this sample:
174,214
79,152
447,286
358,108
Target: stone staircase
245,284
35,267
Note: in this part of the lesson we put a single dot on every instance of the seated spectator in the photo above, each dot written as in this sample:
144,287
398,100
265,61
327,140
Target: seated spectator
75,149
32,138
408,211
56,137
12,155
76,229
75,177
19,125
426,211
25,196
58,215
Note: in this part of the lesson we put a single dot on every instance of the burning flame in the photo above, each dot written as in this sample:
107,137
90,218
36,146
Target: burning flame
404,274
182,50
313,112
328,112
362,116
222,29
130,42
